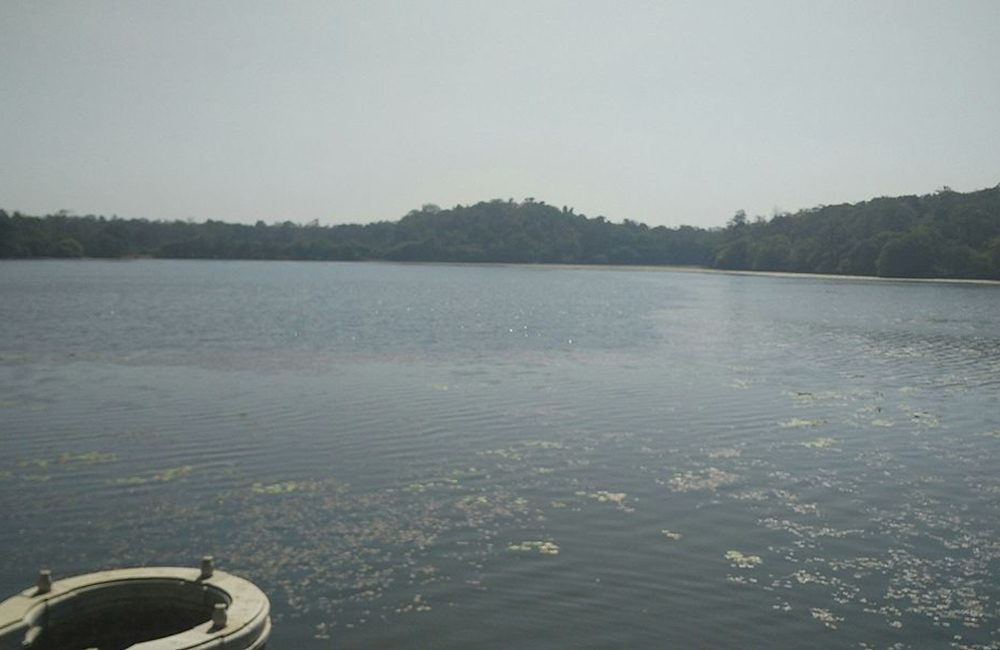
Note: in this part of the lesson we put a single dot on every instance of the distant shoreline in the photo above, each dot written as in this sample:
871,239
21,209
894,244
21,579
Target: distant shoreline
665,268
696,269
945,236
786,274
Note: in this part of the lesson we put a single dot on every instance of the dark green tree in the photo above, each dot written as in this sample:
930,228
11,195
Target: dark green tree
906,256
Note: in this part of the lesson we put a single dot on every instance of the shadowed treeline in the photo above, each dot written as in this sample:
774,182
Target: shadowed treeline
946,234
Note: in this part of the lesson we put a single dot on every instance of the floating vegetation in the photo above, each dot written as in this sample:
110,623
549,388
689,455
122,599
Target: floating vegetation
753,494
826,617
804,508
439,386
418,605
420,488
742,561
322,631
818,443
782,497
804,577
161,476
725,452
799,423
90,457
603,496
517,452
506,454
807,397
710,478
669,534
37,478
284,487
543,548
545,444
483,508
805,530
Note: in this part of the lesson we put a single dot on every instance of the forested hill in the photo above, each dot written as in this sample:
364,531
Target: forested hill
494,231
945,234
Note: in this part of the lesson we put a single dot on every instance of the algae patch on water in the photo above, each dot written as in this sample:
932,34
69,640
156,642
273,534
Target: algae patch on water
283,487
826,617
160,476
420,488
799,423
742,561
542,548
418,605
506,454
818,443
709,479
90,457
604,496
545,444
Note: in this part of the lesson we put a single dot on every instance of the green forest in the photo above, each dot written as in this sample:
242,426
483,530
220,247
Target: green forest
946,234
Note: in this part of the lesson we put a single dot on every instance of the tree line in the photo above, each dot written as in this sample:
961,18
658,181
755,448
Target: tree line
945,234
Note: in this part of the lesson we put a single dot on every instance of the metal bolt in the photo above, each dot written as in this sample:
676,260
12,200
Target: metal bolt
219,615
44,582
207,567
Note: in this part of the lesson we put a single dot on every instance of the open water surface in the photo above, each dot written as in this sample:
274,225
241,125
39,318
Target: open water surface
445,457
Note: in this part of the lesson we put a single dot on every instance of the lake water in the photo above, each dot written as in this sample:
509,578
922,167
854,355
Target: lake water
434,456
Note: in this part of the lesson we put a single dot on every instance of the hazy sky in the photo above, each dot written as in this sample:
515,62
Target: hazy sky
663,112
